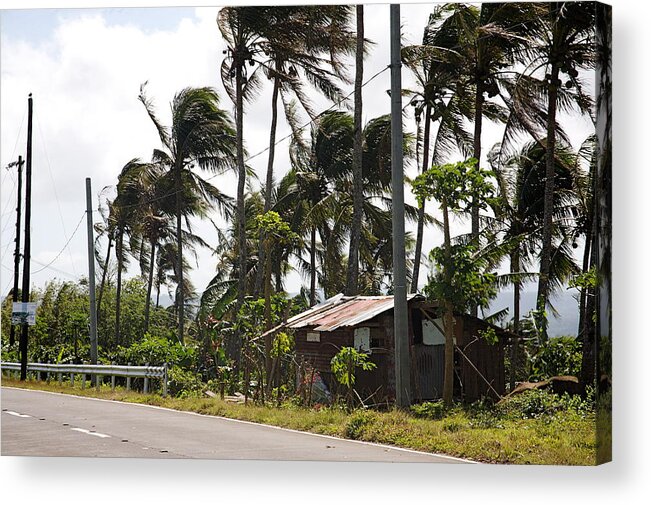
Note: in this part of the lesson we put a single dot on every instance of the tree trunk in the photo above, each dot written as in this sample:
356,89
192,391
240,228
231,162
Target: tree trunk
313,267
515,268
179,242
448,322
104,271
588,330
268,184
421,209
118,291
476,153
267,319
352,275
546,250
241,182
150,283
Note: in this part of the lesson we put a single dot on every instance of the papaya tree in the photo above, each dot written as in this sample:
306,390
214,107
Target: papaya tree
457,187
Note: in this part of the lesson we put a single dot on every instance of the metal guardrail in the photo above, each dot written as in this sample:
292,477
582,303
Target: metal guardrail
128,371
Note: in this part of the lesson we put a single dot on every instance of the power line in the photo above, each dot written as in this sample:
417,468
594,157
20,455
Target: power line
68,274
56,195
64,247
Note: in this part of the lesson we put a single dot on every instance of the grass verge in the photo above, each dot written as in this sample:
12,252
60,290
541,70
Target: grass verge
564,438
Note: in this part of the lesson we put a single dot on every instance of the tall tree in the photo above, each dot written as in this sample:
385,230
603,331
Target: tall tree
352,274
242,28
304,43
519,216
457,186
565,36
201,134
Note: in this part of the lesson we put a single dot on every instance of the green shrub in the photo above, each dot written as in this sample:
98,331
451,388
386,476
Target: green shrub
429,410
538,403
557,356
358,422
183,383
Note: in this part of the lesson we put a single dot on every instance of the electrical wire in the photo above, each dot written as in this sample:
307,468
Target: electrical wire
63,248
54,187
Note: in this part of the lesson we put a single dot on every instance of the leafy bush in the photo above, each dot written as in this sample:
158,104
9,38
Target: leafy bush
357,422
156,351
183,383
557,356
537,403
429,410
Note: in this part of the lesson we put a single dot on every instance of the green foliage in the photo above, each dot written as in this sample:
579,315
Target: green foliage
184,383
429,410
273,226
538,403
156,351
489,336
469,285
358,422
346,361
283,343
557,356
457,184
588,280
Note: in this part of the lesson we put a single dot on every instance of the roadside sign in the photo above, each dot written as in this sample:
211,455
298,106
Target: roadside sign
23,313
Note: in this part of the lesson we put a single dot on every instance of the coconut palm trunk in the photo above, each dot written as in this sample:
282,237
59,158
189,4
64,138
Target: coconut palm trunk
118,291
180,297
448,316
241,182
103,282
352,275
313,266
421,208
546,251
150,282
269,181
515,268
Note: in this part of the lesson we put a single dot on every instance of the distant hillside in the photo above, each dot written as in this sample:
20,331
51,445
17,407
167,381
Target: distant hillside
565,303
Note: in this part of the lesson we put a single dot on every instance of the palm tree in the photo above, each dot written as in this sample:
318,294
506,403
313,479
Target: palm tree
352,274
242,28
565,45
201,134
519,216
297,38
324,181
123,212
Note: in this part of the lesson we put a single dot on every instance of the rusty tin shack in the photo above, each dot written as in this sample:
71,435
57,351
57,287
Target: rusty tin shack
366,323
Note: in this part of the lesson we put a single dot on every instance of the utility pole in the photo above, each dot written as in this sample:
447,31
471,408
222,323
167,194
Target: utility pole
28,239
91,275
400,323
14,294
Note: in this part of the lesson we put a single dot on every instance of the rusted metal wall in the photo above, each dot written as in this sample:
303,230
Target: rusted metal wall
487,358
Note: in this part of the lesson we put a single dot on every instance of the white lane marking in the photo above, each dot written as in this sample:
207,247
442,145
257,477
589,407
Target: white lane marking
87,432
12,413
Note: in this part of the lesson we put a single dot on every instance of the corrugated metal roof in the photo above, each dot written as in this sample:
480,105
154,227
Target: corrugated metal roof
341,311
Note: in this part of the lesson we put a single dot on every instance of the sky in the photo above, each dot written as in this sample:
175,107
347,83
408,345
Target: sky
84,67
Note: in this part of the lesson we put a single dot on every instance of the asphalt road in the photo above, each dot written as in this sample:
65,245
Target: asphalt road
36,423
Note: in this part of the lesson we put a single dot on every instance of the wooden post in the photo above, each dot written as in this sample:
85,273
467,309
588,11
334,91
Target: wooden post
72,380
128,380
83,381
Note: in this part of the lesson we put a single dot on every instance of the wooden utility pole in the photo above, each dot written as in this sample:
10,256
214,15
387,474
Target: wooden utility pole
14,294
91,275
400,322
28,241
